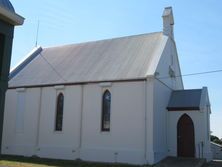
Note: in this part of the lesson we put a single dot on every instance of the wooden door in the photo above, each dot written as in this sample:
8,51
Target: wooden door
185,137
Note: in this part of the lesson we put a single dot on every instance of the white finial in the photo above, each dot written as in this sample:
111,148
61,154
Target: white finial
168,22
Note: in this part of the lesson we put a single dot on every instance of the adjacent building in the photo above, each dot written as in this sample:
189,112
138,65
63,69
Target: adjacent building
8,19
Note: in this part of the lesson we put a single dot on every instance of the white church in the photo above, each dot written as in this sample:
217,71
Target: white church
115,100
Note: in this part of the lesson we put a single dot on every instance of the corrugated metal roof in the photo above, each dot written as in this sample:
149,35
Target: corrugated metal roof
185,100
35,52
106,60
7,5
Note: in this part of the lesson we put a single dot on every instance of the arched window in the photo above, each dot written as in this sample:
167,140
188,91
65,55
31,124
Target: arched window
59,112
106,102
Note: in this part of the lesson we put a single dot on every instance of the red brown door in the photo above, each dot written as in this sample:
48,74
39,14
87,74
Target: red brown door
185,137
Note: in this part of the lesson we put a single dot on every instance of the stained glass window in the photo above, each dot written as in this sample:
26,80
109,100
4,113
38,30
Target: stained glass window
59,112
106,103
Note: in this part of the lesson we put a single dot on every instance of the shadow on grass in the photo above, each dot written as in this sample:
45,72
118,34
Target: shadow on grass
58,163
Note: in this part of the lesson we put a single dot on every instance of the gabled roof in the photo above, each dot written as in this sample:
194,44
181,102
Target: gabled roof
125,58
191,99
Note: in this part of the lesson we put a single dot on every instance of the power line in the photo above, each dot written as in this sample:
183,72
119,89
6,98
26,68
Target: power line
192,74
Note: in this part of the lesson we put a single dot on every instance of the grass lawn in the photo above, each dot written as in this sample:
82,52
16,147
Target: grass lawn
19,161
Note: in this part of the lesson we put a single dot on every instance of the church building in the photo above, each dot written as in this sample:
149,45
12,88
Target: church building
119,100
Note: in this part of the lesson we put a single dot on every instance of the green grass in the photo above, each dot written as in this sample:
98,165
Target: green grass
19,161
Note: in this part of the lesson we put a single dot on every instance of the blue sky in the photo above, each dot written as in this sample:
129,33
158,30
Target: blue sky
198,33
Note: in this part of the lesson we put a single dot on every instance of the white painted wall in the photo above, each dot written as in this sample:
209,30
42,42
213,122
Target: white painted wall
200,129
22,141
39,137
149,122
169,59
161,100
178,81
163,86
124,143
63,144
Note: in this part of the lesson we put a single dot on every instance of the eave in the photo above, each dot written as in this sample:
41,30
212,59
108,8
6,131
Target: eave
10,17
182,108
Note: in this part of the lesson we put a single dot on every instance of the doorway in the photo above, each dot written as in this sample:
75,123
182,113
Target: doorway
185,137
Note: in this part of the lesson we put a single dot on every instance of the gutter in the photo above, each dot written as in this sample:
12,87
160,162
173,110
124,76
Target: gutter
75,83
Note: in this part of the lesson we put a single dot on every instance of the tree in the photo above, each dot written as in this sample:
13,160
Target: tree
215,139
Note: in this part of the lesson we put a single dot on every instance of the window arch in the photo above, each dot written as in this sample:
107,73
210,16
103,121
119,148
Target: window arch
106,103
59,112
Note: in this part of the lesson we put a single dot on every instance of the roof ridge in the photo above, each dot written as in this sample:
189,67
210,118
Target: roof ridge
101,40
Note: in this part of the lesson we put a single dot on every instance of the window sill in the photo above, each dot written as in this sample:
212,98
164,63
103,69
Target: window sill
105,132
58,132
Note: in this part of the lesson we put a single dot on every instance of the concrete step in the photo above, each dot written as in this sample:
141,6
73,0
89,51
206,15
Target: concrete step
181,162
